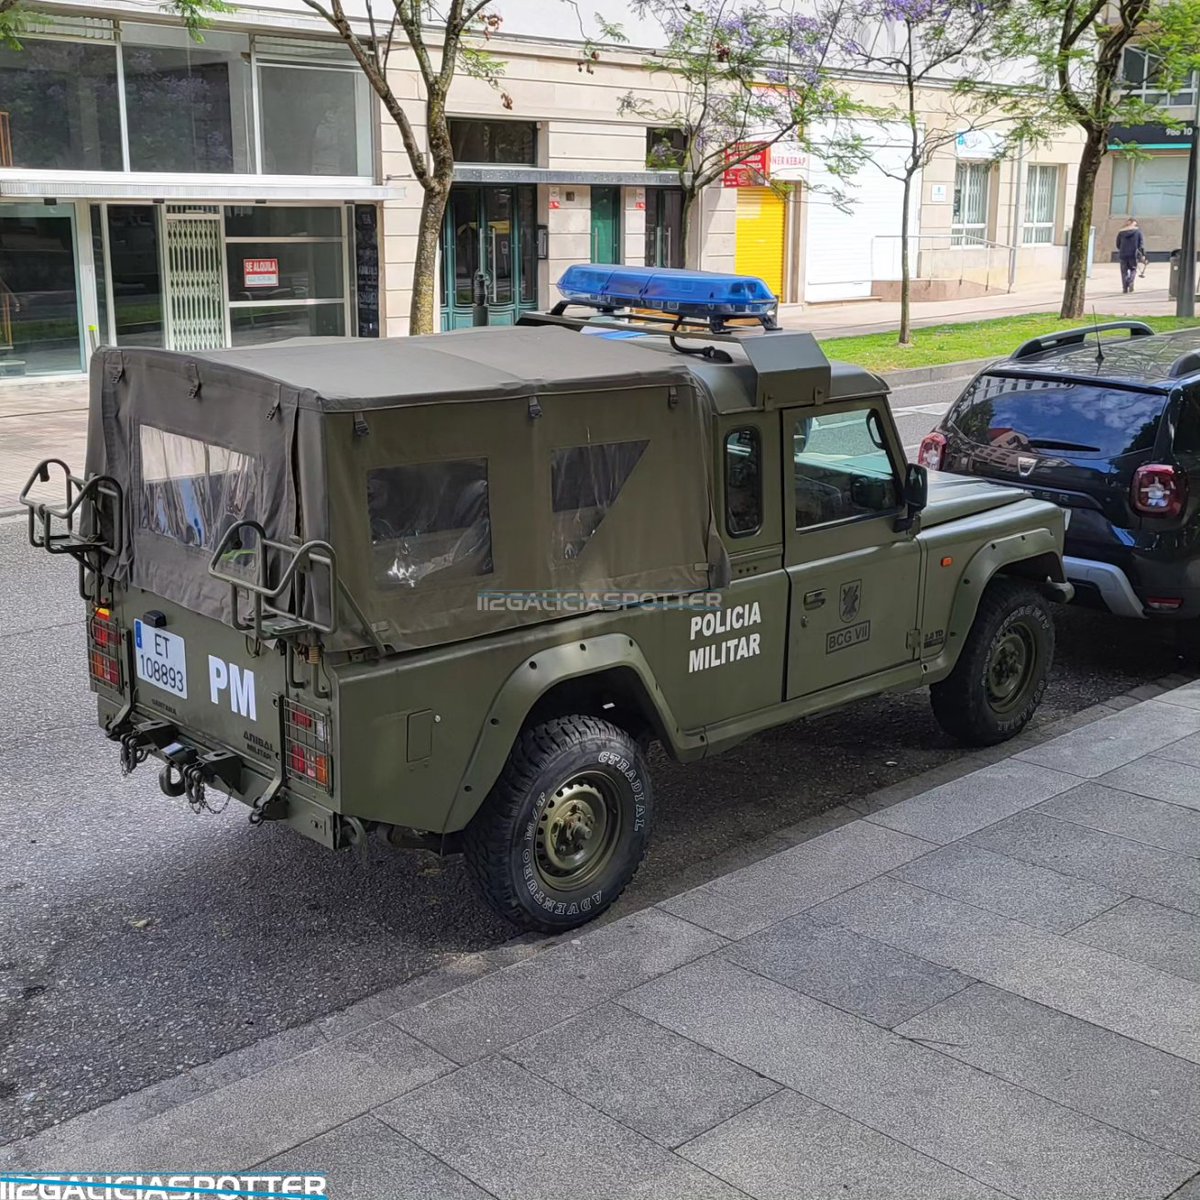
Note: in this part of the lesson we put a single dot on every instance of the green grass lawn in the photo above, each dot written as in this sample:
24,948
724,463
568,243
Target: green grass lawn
959,343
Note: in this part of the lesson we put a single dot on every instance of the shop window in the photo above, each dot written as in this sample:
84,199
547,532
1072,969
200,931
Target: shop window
282,270
1041,205
136,274
842,468
494,142
430,522
251,325
1142,73
585,482
62,106
282,221
1152,187
969,225
188,104
743,482
193,491
316,120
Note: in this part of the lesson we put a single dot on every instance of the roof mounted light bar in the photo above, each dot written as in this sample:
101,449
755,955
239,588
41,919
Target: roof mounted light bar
707,299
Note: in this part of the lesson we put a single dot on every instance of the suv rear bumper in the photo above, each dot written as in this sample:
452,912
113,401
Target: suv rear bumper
1109,581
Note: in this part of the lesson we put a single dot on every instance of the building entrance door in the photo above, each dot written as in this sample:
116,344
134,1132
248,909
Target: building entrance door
606,225
195,277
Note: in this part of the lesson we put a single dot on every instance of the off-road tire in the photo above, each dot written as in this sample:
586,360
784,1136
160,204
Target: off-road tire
505,845
1010,611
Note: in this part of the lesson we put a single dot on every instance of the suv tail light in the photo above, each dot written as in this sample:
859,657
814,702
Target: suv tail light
104,648
1158,491
933,451
306,745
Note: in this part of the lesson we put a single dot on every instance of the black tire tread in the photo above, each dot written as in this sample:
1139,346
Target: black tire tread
958,704
487,839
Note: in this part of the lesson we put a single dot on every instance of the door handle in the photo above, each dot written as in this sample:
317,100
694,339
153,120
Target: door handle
814,599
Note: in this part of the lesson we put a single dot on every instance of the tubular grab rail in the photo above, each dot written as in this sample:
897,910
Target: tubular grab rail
302,560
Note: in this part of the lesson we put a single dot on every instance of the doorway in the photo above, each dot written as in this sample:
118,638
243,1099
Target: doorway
664,227
489,230
606,225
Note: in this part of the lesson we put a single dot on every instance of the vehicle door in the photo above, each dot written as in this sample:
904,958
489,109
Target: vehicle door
854,579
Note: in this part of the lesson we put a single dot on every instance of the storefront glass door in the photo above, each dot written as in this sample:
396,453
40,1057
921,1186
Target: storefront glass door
489,229
40,322
664,227
606,225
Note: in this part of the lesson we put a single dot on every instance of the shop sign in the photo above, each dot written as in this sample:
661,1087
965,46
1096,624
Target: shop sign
789,161
750,172
1150,137
979,144
260,272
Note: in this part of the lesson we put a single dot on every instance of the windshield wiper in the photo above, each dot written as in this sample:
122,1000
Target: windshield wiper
1054,444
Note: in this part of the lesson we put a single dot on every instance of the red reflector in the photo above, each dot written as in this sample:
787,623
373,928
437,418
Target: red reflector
104,648
1164,603
933,451
1158,491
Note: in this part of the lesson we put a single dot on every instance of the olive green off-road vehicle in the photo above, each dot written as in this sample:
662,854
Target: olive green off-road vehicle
451,588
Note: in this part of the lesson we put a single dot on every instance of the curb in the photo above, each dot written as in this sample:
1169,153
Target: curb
954,370
124,1113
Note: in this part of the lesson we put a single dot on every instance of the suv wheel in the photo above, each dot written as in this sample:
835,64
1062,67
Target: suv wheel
1001,674
565,827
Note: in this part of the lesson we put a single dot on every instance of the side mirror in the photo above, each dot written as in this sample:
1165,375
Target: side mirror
916,496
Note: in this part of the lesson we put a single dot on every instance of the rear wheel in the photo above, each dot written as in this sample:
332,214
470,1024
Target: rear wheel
565,827
1001,674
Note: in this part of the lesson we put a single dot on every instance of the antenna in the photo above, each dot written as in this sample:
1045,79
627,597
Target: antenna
1099,341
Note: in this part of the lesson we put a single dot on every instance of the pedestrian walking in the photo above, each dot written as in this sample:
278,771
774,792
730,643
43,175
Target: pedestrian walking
1131,249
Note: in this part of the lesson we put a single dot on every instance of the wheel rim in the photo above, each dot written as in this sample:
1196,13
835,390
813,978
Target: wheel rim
1011,668
577,832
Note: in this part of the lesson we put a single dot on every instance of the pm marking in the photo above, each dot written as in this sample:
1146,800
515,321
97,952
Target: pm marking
223,676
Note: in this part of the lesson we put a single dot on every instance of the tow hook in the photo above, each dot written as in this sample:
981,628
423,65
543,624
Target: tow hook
189,773
136,743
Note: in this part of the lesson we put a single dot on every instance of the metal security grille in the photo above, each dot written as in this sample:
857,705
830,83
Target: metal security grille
195,284
969,226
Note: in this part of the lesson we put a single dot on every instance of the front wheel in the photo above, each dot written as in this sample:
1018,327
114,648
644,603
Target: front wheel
1001,674
565,827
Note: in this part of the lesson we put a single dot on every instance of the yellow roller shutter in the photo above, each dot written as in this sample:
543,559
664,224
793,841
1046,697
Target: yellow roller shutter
760,226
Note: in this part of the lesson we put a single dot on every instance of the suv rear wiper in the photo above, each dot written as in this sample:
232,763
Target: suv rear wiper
1055,444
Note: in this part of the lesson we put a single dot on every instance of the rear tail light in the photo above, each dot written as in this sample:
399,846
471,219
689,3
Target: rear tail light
104,648
306,745
1158,491
1164,603
933,451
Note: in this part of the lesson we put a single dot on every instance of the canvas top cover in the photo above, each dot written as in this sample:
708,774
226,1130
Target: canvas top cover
484,461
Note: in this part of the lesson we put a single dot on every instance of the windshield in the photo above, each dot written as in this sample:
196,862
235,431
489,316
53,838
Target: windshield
1086,419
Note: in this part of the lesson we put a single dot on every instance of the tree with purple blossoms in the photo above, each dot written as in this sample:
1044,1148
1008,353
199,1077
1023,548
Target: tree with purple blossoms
740,75
915,44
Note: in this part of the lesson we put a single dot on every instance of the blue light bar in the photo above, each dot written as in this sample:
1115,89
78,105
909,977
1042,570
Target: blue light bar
670,290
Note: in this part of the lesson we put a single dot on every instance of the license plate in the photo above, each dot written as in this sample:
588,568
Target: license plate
160,659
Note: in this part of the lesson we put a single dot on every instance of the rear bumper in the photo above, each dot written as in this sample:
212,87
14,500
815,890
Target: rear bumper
1109,582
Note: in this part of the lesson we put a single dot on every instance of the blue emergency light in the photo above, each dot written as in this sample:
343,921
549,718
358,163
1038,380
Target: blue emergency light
705,294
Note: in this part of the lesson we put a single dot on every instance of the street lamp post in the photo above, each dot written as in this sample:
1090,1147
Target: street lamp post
1185,299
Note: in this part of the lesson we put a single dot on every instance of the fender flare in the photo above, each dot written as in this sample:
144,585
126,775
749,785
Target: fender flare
989,561
527,684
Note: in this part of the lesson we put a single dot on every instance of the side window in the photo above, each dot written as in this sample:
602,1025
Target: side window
430,521
1187,430
193,491
585,482
842,468
743,482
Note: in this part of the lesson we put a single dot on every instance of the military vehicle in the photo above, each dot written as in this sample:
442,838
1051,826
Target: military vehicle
449,589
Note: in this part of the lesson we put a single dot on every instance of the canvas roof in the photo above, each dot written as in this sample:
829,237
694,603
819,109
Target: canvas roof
492,363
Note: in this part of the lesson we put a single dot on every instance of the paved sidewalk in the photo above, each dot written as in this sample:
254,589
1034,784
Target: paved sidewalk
987,989
39,420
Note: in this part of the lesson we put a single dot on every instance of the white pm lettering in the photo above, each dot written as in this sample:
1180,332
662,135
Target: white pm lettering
230,677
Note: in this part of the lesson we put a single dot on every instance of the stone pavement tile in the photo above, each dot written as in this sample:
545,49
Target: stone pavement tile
368,1160
842,968
1009,886
263,1114
1187,696
1114,741
1126,997
791,1148
956,809
1186,750
1159,777
1116,862
1143,1091
1138,818
1163,938
1189,1191
751,899
521,1138
993,1131
506,1006
648,1078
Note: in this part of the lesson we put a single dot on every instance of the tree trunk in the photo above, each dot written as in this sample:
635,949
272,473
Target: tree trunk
424,311
905,270
691,254
1075,288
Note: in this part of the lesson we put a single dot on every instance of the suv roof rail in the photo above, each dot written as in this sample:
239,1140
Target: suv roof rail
1076,337
1186,364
